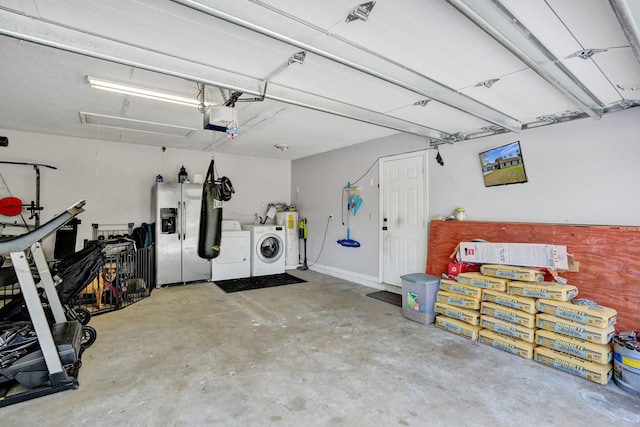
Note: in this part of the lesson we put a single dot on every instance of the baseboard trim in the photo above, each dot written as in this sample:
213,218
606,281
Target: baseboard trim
361,279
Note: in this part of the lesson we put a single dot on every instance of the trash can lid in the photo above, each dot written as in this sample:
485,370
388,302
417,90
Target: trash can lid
421,278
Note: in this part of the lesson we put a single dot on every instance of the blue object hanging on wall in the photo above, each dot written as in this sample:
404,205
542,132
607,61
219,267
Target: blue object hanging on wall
353,204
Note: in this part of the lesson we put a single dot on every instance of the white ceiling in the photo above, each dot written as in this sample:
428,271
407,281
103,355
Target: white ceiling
359,80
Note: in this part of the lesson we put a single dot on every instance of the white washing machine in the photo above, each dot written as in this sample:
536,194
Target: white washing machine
234,260
267,249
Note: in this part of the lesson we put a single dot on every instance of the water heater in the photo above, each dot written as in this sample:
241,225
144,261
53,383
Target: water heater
289,220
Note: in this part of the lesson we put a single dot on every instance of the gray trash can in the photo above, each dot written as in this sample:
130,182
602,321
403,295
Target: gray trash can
418,297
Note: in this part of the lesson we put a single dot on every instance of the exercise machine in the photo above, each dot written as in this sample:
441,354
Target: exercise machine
51,366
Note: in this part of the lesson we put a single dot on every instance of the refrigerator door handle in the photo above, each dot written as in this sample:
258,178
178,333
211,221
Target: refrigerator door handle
184,220
180,221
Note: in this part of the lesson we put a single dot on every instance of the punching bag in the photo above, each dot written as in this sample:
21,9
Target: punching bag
210,217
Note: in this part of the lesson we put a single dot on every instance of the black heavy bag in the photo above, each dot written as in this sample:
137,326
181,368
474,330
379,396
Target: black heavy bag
210,218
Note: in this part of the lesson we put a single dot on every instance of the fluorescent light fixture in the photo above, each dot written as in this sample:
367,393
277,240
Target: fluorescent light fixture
628,14
142,92
497,21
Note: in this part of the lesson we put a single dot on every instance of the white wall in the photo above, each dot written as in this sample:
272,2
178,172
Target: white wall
116,179
582,172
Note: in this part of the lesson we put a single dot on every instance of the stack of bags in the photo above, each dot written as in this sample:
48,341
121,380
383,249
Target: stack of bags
508,315
457,308
515,310
575,338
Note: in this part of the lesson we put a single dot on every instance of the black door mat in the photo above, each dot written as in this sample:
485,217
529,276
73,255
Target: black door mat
249,283
386,296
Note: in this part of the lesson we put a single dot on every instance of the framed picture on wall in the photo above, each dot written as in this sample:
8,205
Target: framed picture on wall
503,165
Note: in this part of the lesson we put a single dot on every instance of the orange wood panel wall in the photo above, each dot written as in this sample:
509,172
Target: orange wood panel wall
609,257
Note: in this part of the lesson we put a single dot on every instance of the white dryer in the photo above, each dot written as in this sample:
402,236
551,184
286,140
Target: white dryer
234,260
267,249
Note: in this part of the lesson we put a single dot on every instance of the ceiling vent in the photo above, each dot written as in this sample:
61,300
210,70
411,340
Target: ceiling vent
134,125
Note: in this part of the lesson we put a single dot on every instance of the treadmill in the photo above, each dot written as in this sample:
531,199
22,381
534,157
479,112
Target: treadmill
49,364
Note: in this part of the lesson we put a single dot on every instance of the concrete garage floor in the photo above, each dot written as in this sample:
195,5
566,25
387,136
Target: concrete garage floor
312,354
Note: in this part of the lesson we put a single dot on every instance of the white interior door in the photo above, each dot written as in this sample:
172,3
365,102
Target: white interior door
403,213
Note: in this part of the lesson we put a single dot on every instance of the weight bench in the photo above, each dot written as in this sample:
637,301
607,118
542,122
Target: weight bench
60,344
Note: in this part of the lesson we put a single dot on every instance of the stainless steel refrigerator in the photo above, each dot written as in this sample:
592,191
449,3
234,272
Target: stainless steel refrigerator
176,213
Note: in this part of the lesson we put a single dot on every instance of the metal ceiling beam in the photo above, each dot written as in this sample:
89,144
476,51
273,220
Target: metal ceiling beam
503,26
628,14
564,117
45,33
261,18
